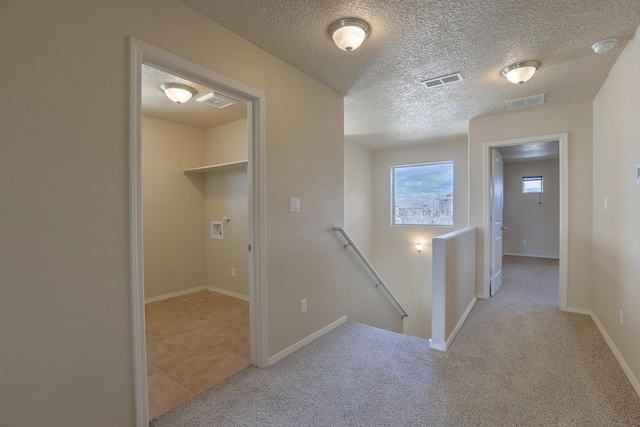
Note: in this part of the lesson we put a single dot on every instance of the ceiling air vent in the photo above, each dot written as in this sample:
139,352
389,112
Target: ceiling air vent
444,80
530,101
217,100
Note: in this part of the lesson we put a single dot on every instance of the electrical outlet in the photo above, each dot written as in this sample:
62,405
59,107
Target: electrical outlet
303,306
233,272
621,318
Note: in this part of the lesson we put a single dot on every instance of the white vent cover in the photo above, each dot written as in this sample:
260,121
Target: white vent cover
217,100
530,101
441,81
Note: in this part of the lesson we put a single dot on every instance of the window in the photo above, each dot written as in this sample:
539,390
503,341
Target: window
532,184
423,194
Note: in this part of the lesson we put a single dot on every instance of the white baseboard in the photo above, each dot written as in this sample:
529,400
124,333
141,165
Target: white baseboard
228,293
614,349
623,364
287,351
175,294
198,289
579,311
533,255
445,346
441,346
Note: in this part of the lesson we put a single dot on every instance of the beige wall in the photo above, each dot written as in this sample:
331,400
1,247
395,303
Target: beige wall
179,253
366,303
453,279
575,119
532,217
173,207
226,143
65,311
226,195
405,271
616,231
358,195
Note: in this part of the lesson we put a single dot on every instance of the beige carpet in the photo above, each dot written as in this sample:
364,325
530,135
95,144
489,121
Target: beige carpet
517,361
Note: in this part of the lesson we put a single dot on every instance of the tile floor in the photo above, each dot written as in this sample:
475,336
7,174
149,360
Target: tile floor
193,342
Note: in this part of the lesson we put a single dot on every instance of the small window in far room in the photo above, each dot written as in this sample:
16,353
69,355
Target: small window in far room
532,184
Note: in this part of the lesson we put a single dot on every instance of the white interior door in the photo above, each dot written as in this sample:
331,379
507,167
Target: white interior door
497,227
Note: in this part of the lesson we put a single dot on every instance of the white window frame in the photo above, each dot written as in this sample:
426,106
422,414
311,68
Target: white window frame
393,192
533,178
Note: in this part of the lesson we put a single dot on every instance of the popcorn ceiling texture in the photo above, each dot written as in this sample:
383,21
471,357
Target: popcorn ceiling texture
411,40
194,114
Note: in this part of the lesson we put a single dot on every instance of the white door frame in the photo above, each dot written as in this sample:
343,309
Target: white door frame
563,141
144,53
495,280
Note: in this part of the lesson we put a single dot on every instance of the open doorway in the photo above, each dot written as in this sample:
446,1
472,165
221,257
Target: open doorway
195,234
531,222
520,149
144,55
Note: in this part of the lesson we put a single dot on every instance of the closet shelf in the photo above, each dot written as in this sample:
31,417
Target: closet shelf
218,168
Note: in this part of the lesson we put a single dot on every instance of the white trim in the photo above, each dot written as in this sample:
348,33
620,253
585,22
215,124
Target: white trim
623,364
228,293
136,265
579,311
445,346
563,141
532,255
440,346
297,346
197,289
175,294
144,53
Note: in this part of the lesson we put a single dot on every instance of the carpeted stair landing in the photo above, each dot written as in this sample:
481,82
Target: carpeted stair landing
357,375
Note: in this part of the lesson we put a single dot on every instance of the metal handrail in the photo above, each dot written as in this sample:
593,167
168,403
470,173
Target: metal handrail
372,270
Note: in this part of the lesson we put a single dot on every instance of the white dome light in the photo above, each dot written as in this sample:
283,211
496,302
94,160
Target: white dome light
348,34
177,92
520,72
604,45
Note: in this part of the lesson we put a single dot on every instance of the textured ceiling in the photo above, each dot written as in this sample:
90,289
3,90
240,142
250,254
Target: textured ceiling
530,151
192,113
413,40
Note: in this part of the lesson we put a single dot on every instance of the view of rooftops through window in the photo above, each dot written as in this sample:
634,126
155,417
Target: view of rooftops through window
423,194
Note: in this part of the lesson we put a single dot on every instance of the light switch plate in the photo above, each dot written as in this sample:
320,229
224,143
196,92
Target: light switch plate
294,204
638,174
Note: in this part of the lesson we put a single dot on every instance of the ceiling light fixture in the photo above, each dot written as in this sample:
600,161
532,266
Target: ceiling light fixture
178,92
604,45
349,33
520,72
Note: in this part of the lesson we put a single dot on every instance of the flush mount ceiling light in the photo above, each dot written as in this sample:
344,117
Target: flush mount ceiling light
520,72
604,45
349,33
178,92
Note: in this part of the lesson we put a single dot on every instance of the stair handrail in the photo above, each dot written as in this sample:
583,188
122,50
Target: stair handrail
365,261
